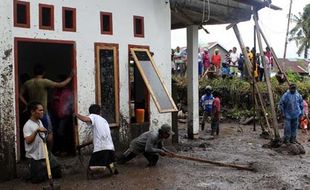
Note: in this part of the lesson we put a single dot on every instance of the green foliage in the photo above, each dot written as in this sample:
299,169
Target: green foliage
294,77
236,95
237,113
300,33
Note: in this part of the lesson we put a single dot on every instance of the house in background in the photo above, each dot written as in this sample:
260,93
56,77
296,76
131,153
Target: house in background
211,46
300,66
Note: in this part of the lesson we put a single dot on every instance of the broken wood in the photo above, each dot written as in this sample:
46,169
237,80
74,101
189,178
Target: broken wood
248,168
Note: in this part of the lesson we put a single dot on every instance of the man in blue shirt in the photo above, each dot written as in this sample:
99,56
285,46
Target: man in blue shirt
206,102
291,105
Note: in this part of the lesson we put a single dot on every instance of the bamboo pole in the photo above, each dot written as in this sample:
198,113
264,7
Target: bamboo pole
267,77
248,67
239,167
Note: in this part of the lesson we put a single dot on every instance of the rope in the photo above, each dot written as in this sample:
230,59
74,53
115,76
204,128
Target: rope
204,10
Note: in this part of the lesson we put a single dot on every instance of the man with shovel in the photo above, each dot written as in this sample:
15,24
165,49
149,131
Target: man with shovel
34,146
150,144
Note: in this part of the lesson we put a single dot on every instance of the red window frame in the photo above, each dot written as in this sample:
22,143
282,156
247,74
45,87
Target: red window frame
27,16
51,7
110,32
64,28
142,26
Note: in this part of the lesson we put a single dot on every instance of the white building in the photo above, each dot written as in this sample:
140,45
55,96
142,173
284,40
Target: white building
99,40
94,39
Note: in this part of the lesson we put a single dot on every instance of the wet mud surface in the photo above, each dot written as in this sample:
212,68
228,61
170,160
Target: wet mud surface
236,144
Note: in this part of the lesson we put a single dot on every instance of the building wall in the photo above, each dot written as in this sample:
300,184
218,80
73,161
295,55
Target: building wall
7,96
156,15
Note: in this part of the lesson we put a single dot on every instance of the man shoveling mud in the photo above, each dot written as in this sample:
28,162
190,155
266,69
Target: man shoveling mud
150,144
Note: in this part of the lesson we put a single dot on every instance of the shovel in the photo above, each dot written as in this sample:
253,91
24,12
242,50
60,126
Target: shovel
51,186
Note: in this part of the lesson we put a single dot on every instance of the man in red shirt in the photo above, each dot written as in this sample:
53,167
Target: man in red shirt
216,59
216,114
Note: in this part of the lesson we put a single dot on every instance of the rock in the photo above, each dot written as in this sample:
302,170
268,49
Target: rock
204,145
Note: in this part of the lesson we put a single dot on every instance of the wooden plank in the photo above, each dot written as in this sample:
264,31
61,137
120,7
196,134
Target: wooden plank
274,55
248,66
267,77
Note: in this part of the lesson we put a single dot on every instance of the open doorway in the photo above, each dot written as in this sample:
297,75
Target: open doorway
58,59
138,94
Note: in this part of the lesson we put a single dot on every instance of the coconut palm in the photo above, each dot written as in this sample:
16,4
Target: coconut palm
301,32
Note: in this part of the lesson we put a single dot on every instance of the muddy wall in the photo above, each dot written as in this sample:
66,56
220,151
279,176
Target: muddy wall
156,23
7,105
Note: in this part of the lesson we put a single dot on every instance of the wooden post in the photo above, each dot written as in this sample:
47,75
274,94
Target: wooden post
267,77
253,86
287,29
248,67
275,58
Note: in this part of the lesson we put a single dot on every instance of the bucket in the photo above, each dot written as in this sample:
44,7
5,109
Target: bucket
139,115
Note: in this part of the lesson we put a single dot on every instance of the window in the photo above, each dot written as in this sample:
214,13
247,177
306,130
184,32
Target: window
106,23
138,23
107,81
46,17
22,14
69,19
139,97
153,80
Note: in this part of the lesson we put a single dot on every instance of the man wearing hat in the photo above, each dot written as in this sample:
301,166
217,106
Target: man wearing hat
150,144
291,105
206,102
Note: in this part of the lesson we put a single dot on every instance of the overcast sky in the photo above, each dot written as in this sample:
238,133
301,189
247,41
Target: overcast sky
273,24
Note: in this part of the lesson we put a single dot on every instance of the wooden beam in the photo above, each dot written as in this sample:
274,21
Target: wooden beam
275,58
248,66
267,77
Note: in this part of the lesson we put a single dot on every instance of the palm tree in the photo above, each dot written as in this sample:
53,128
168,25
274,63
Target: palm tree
301,32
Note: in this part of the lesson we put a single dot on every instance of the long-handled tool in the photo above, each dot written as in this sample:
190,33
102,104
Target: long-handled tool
249,168
51,186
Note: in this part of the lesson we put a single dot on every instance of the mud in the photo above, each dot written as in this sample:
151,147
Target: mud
236,144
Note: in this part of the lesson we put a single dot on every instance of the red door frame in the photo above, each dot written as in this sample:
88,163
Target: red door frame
74,82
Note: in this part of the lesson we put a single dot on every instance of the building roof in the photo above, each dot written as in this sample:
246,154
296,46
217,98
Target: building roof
295,65
210,45
201,12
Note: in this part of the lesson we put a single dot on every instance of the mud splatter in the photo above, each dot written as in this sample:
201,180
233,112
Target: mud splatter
7,54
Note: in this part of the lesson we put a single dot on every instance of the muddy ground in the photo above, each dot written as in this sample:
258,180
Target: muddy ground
237,144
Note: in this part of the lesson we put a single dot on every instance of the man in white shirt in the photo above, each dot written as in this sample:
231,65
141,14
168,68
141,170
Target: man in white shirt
103,153
234,57
34,145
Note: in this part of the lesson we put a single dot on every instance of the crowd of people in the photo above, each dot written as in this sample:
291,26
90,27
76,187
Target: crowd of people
213,66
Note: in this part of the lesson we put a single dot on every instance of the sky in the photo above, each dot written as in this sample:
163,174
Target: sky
272,22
